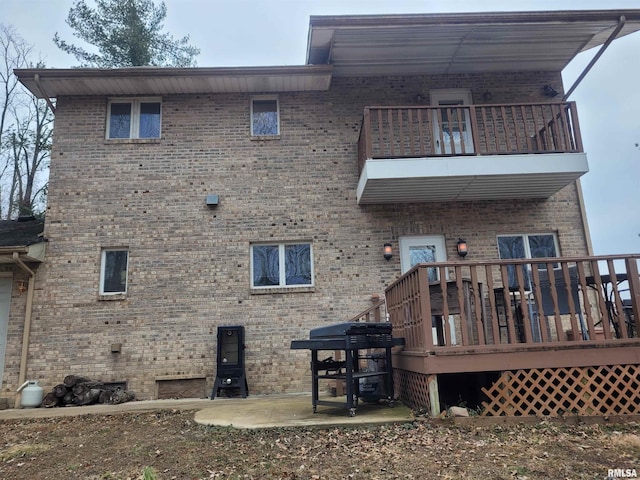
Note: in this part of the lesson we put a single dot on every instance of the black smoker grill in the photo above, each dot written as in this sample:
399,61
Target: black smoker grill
230,361
350,338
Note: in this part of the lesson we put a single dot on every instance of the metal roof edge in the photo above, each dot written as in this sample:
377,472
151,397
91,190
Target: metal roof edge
337,21
57,73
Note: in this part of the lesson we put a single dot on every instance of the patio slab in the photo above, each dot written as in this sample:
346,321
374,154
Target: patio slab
255,411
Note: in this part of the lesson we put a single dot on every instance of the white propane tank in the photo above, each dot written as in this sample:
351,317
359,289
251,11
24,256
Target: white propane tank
31,394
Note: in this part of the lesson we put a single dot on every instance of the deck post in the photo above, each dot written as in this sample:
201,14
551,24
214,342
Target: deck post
434,396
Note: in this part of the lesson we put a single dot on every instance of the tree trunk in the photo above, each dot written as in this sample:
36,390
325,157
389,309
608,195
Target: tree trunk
121,396
77,390
50,400
68,399
105,396
60,390
71,380
89,397
80,389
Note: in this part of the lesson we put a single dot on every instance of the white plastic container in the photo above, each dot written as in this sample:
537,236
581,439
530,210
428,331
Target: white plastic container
31,394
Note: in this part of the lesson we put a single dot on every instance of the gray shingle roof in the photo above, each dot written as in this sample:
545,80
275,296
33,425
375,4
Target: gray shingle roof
14,233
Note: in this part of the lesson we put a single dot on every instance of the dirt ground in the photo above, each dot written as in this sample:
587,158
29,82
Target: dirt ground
170,445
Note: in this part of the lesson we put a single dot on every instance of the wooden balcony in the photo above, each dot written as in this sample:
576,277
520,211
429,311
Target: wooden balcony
470,152
557,312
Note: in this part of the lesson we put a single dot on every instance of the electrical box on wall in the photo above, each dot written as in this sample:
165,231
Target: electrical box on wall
230,360
212,200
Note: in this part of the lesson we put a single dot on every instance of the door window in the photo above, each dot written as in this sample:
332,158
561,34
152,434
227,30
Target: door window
428,248
452,122
422,249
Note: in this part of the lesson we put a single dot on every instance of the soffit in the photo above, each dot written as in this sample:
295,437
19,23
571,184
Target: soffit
468,178
165,81
459,43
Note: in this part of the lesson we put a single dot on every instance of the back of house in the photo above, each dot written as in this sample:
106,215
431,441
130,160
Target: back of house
181,200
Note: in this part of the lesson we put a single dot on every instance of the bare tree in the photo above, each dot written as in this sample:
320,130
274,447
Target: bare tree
29,144
15,53
25,133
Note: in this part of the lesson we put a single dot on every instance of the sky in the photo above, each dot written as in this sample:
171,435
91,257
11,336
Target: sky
274,32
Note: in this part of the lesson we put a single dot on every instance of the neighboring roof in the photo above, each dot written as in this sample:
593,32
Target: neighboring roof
460,42
369,45
161,81
21,233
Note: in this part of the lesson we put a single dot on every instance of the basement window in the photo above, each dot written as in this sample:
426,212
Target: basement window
134,118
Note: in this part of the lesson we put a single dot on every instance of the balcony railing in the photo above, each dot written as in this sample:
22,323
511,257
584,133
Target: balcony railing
419,131
516,303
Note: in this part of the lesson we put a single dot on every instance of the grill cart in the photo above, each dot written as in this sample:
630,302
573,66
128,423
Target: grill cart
357,341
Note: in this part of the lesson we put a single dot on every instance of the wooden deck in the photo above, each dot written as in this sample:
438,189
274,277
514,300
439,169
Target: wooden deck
424,131
559,321
518,313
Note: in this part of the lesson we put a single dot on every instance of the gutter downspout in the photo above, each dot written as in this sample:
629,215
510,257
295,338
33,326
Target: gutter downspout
611,38
36,78
27,323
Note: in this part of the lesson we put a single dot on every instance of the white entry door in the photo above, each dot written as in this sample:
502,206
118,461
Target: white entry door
423,249
5,301
452,127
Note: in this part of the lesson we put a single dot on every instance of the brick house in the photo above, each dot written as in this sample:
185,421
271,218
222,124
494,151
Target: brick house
185,199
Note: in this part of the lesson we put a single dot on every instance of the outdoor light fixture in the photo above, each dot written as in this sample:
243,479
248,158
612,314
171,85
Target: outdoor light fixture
22,286
462,247
388,251
549,91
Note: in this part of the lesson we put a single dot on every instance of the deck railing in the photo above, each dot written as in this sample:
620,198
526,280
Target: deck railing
421,131
516,303
376,313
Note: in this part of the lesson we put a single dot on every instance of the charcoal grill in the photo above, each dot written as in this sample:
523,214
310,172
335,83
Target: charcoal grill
350,337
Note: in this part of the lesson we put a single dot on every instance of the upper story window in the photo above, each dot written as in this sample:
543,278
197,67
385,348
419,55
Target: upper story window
281,265
113,271
134,118
265,116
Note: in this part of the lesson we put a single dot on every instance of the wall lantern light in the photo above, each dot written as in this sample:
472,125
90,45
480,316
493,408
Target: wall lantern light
462,247
22,286
388,251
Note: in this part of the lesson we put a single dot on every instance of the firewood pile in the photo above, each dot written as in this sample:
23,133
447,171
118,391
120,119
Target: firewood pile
75,390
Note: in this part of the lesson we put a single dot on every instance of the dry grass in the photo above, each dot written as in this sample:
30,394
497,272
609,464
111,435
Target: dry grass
172,446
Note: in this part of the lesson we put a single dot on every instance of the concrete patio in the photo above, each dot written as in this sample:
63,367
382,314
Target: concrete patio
255,411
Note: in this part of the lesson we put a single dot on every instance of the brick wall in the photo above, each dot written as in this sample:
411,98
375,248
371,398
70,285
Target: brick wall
15,325
189,264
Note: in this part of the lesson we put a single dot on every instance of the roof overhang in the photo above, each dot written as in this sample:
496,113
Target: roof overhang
33,253
50,83
373,45
369,45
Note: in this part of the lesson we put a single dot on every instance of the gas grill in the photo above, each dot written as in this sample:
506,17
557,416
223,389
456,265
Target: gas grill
351,337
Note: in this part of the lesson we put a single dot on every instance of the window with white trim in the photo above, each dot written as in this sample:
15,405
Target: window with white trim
134,118
113,271
281,265
539,245
265,116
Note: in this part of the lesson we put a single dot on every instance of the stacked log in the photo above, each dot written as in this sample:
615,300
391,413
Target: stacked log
76,390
